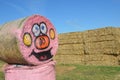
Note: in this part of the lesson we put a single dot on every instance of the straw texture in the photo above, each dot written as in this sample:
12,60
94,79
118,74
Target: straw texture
31,40
91,47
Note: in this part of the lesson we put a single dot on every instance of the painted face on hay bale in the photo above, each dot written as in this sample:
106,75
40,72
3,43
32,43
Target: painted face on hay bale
39,39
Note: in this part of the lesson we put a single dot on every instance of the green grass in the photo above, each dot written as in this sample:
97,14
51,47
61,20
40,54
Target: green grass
1,76
81,72
1,70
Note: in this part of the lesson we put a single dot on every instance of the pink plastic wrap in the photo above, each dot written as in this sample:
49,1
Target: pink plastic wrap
20,72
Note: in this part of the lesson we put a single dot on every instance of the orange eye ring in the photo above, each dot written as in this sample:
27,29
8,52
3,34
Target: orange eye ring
42,42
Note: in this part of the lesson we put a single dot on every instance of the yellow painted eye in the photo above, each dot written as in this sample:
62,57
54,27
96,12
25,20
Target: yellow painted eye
27,39
52,33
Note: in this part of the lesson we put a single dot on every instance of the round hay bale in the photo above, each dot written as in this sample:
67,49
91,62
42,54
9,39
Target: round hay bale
31,40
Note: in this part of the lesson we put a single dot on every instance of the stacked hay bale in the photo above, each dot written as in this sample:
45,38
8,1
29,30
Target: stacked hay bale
71,48
102,46
92,47
101,41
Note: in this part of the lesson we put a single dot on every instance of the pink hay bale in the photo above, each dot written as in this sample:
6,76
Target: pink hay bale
31,40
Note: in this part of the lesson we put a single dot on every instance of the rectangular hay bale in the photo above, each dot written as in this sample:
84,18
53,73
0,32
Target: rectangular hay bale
101,60
69,59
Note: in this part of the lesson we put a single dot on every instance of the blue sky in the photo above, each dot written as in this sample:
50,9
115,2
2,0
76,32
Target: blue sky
66,15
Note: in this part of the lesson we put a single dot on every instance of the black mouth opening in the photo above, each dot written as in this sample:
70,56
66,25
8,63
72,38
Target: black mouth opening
42,56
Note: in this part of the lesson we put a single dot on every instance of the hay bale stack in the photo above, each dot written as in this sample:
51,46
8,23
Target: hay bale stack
102,41
70,48
92,47
71,44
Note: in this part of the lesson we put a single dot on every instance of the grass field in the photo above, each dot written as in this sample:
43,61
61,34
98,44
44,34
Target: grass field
1,71
81,72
